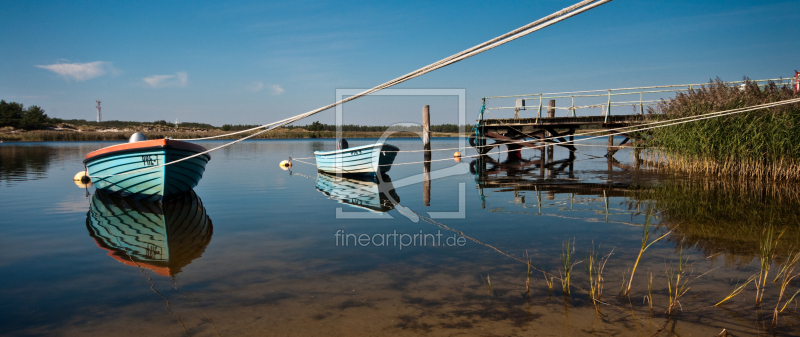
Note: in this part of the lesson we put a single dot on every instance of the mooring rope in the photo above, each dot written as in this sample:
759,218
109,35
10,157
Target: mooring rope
551,19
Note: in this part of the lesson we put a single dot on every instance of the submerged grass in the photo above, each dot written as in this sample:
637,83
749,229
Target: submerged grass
736,291
594,264
787,271
766,254
567,253
757,144
677,282
646,234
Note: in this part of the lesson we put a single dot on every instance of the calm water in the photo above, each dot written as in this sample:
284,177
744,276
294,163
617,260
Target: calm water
262,251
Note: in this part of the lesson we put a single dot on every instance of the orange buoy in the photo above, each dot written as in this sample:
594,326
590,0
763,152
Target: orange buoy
285,165
457,154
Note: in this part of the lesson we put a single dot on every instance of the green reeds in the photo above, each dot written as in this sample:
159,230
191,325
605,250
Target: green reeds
649,297
646,234
755,144
766,254
527,274
787,271
567,254
549,280
594,264
738,290
677,282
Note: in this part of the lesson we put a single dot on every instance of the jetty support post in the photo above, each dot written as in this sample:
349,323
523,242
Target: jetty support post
426,145
426,129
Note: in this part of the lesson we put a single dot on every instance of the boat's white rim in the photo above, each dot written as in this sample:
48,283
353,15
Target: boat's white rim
325,153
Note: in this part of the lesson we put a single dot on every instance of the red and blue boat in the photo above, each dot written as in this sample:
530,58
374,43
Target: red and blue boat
137,168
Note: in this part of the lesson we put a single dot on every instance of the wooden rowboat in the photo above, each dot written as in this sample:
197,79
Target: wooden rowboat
367,159
108,168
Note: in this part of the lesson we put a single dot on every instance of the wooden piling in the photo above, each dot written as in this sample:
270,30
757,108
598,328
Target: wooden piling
551,110
426,128
426,145
426,181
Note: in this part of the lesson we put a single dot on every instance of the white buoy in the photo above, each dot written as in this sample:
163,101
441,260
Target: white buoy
285,165
82,180
137,137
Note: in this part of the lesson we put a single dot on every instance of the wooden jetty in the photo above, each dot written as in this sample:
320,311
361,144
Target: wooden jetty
529,128
516,133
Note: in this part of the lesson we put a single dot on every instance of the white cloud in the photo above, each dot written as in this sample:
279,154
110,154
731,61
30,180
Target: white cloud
276,89
256,87
178,80
81,71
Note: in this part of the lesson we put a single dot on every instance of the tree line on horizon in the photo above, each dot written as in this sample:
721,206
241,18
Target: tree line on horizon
33,117
316,126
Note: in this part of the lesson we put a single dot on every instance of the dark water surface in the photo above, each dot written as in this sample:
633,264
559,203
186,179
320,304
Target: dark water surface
255,249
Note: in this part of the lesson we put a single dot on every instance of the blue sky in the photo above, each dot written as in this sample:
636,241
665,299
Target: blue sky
256,62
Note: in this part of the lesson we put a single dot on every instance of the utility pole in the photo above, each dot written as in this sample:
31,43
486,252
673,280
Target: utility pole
99,116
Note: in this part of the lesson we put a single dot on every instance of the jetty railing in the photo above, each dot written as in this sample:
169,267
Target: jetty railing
636,97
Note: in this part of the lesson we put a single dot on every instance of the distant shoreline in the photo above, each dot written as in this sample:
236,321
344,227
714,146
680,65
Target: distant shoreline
114,135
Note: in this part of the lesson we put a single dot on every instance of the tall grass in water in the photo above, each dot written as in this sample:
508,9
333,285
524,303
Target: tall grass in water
738,290
594,264
757,144
567,253
649,297
787,271
766,254
646,234
677,282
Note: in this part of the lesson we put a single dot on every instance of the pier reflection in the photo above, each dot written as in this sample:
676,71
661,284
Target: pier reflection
162,237
365,192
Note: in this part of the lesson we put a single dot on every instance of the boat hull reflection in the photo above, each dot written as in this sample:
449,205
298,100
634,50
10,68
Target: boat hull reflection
162,237
369,193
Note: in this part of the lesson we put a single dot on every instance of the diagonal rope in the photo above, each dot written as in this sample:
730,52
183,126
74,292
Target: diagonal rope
551,19
500,40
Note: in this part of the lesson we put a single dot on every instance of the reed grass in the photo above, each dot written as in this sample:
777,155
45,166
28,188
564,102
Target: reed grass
646,234
567,265
738,290
756,144
766,254
649,297
527,274
594,264
549,280
677,282
787,271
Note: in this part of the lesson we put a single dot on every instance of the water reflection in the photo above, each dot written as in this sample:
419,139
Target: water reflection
361,192
162,237
20,163
725,217
713,216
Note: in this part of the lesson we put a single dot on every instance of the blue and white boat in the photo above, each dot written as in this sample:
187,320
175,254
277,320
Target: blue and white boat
123,169
367,159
